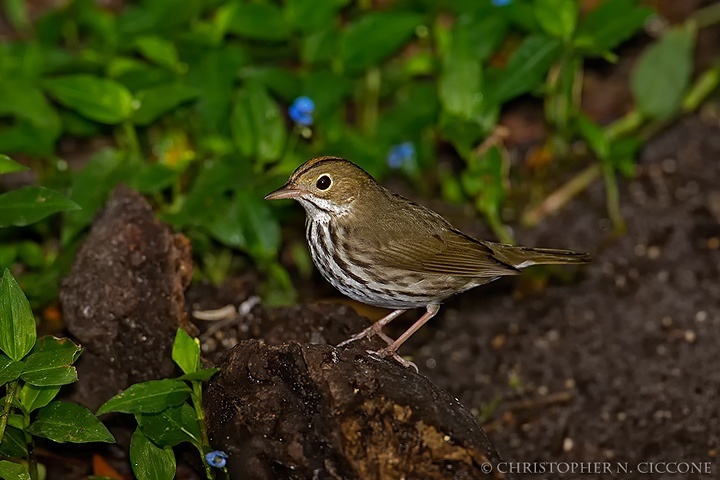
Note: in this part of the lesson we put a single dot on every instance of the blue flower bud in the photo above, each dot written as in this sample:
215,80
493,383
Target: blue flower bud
401,154
301,111
217,459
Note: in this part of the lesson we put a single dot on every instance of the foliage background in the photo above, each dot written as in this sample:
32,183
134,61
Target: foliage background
187,102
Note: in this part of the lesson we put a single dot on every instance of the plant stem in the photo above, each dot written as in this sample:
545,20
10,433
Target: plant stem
498,228
612,197
291,143
370,100
627,124
561,196
10,391
30,442
702,88
204,447
131,139
708,16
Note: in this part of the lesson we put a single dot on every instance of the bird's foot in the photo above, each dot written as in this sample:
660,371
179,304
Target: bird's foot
392,353
369,332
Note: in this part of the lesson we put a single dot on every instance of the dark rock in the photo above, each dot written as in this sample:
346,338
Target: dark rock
314,411
123,299
320,323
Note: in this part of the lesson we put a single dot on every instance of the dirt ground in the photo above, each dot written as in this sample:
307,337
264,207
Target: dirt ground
615,362
620,364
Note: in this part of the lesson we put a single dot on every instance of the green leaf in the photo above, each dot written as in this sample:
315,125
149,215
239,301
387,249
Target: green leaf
8,165
157,16
487,33
28,205
623,155
229,229
17,323
320,46
172,426
50,368
158,100
90,189
263,21
415,111
260,227
148,397
374,37
75,125
16,420
310,15
557,17
24,100
135,74
594,135
31,397
484,179
158,50
65,422
9,369
154,177
328,90
242,126
186,352
459,86
50,343
526,69
278,81
207,197
99,99
13,471
613,22
214,74
150,462
13,443
24,137
662,74
200,375
258,127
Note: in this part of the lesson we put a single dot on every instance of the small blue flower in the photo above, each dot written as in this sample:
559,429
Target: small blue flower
501,3
401,155
217,459
301,111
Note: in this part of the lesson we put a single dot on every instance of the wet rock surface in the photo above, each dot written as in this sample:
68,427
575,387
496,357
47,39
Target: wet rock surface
124,299
314,411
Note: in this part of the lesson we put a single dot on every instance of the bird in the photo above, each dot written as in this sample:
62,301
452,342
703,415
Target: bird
384,250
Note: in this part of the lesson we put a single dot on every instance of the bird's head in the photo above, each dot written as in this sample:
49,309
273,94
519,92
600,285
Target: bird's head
325,185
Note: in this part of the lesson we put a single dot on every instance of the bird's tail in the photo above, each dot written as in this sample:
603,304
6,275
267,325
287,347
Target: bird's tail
521,257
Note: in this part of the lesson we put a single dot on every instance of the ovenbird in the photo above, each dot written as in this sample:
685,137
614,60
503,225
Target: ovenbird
382,249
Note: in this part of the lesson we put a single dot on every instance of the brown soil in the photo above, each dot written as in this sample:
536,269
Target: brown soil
621,365
615,363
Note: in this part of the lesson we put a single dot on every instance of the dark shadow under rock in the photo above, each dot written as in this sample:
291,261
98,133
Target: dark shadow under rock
314,411
123,299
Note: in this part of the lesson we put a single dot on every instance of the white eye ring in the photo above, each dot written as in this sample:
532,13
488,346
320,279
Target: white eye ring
323,182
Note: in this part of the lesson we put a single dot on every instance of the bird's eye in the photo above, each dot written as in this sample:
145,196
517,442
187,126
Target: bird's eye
323,183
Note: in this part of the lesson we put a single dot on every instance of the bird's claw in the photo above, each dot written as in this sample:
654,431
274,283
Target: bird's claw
369,332
389,352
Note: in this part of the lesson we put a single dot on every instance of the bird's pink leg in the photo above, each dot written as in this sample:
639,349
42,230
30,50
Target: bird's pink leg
391,350
375,329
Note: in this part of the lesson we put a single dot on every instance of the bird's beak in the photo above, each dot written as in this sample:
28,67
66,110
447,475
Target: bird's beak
284,192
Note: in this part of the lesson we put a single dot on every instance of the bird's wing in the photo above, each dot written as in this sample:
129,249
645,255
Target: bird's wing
448,252
426,243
